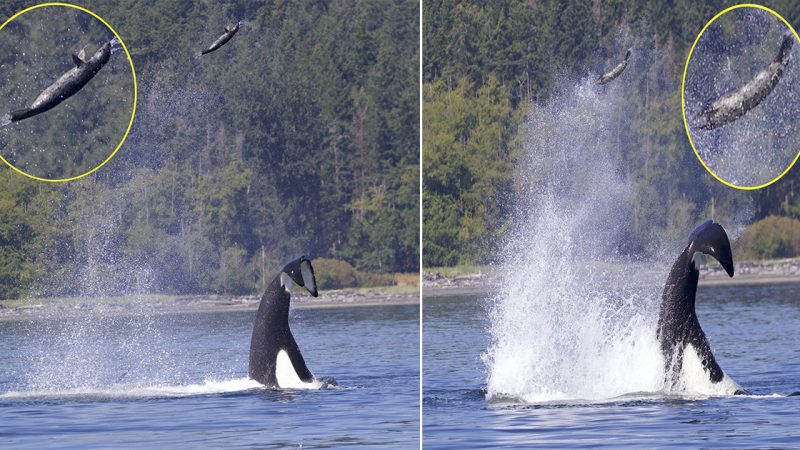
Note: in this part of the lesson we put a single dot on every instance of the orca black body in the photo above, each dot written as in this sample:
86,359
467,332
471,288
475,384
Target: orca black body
271,333
222,40
616,71
678,326
67,85
737,103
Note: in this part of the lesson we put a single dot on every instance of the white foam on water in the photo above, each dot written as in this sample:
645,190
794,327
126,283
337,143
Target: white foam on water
209,386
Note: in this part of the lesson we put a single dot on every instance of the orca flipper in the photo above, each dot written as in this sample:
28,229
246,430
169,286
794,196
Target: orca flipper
77,60
297,360
678,326
703,349
710,238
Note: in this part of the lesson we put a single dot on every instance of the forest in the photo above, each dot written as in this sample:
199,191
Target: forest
486,63
300,136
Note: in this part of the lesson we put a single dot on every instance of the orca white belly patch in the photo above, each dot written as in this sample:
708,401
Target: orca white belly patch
696,378
287,377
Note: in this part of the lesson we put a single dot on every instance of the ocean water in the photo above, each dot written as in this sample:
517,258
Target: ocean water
180,381
754,332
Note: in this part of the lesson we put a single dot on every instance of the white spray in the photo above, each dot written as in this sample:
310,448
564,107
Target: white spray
568,323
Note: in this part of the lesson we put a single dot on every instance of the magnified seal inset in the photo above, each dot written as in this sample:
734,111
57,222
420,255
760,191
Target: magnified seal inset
67,92
740,96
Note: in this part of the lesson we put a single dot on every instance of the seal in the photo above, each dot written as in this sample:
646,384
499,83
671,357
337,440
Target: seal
222,40
736,103
68,84
275,359
616,71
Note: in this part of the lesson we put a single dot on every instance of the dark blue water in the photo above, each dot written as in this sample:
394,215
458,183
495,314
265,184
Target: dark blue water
754,332
180,381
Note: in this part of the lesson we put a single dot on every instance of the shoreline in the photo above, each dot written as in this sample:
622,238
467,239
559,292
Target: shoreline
483,290
782,271
34,309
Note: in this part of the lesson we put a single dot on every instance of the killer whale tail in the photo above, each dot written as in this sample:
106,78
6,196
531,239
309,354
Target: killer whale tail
785,50
275,358
301,273
710,238
683,343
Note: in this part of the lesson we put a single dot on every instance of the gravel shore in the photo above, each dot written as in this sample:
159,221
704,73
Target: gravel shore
154,304
434,284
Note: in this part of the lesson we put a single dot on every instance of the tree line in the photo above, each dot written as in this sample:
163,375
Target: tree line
298,136
485,63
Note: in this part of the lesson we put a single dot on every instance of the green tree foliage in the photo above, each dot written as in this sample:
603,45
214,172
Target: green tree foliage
772,237
467,167
481,57
298,136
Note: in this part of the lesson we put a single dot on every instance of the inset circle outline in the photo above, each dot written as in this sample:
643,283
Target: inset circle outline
135,91
683,101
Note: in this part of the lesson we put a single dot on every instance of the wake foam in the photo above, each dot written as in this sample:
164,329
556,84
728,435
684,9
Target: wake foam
140,390
156,390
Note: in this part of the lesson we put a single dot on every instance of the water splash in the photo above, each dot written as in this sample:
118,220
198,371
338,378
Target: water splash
106,344
5,120
209,386
570,322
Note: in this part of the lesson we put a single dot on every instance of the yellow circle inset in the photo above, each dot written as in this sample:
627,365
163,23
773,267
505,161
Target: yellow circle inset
683,92
135,90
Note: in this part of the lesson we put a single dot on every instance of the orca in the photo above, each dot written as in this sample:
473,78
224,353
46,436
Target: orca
616,71
735,104
275,359
68,84
222,40
678,328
